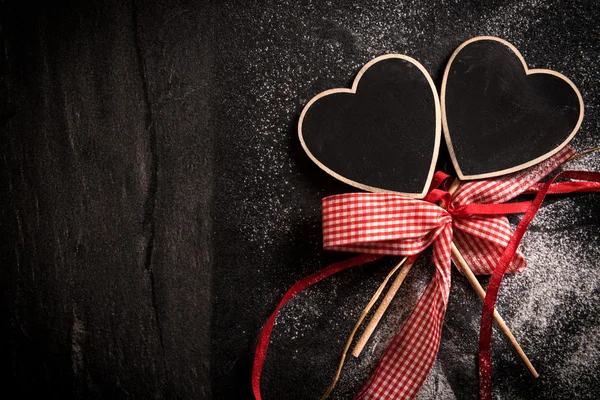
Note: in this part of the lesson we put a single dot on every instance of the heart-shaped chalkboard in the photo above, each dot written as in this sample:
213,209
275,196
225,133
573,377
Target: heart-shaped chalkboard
383,134
498,115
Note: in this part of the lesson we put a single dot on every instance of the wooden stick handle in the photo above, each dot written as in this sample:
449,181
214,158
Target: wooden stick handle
464,268
358,324
366,335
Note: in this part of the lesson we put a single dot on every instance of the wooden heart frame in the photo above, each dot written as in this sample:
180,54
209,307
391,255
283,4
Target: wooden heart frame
353,90
528,71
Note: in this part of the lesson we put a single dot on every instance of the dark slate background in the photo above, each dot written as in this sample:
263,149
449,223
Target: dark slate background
156,203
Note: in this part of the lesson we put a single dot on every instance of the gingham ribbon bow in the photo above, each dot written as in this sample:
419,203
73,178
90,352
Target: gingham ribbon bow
378,224
392,224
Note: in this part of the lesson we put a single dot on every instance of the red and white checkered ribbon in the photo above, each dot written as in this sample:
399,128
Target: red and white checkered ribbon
376,225
391,224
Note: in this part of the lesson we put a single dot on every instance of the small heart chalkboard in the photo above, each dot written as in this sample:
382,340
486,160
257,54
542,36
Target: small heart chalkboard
498,115
383,134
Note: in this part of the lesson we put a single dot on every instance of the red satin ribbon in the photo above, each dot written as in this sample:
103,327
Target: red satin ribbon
591,184
587,182
265,335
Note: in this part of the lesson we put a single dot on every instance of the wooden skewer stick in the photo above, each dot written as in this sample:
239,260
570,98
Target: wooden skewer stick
464,268
362,317
364,338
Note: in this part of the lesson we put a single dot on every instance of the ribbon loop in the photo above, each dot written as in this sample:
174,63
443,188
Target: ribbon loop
381,223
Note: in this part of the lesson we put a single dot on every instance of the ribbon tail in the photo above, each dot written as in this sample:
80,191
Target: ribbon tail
265,335
410,356
485,333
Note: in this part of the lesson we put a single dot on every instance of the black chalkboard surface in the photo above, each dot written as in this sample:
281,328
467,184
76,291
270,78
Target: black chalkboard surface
498,115
381,135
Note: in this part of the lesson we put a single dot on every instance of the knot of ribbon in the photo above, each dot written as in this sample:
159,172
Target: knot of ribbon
473,218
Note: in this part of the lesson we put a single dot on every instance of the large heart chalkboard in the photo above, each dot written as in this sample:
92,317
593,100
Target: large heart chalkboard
498,115
383,134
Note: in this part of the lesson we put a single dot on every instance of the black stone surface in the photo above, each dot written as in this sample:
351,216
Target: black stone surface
156,203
